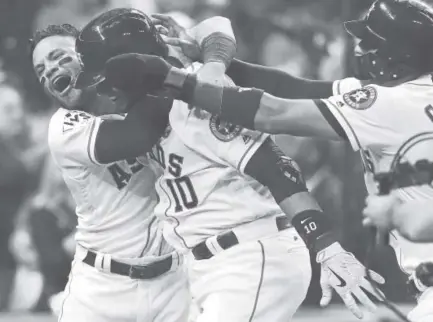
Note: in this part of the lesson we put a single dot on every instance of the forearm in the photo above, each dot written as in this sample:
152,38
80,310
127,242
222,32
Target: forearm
280,175
414,220
136,134
252,108
277,82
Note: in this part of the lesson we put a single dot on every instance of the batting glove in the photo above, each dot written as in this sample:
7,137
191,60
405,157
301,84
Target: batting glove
341,271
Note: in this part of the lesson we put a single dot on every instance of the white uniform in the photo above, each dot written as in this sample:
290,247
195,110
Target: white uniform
377,121
115,205
204,193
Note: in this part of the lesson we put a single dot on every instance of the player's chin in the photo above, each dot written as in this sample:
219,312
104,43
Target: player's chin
73,99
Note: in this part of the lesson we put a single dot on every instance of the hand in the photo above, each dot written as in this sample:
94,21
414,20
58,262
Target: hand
379,211
342,272
213,73
136,72
175,35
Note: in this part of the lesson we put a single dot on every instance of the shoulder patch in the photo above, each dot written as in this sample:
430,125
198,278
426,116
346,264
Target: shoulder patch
362,98
73,118
223,131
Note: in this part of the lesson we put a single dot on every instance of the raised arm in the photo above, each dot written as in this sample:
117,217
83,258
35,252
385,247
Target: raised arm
255,109
251,108
277,82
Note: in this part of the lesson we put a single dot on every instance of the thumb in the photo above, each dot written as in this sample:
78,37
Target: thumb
173,41
326,295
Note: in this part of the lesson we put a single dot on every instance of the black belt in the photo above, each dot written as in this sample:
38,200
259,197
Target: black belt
229,239
142,272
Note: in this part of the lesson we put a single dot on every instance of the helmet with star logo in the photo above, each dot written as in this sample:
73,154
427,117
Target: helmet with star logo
395,40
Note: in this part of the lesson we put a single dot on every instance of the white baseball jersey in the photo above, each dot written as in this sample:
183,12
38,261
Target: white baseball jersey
204,191
114,202
377,121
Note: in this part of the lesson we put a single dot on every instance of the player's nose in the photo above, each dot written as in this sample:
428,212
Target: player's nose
52,71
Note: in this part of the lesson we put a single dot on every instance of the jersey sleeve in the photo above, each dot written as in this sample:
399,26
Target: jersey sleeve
220,141
365,115
72,137
345,85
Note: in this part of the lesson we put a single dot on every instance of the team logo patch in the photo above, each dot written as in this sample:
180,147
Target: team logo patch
223,131
361,99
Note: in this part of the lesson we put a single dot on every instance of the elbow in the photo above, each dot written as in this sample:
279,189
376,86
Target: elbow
271,115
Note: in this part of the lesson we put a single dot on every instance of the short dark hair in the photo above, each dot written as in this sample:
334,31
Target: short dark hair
52,30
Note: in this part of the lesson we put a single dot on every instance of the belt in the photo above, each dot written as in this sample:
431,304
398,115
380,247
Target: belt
229,239
142,272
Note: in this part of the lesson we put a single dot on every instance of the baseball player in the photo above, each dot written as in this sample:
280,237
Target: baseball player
393,54
217,199
123,268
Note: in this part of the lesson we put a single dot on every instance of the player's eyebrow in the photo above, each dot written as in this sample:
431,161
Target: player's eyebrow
52,54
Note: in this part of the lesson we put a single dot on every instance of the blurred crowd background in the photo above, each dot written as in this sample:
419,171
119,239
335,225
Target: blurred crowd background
303,37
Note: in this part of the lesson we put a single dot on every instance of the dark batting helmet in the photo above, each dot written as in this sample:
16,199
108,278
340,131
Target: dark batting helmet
396,37
113,33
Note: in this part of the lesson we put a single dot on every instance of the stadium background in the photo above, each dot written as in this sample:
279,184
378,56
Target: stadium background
303,37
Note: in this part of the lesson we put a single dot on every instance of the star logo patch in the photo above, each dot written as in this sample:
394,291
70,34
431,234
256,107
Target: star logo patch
223,131
361,99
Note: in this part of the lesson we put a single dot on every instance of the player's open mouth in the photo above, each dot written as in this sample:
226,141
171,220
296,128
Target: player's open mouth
61,83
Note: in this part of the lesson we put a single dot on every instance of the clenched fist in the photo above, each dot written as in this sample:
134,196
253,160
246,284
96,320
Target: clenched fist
137,72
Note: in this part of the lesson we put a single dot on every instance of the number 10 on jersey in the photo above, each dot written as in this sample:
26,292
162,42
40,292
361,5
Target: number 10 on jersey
183,193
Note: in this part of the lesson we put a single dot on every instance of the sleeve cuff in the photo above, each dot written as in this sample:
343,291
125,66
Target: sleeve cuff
336,90
94,129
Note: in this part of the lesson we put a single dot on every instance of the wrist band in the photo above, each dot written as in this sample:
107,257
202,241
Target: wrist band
218,47
175,78
240,105
315,229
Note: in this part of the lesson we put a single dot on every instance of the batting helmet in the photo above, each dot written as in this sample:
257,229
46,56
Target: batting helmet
396,37
113,33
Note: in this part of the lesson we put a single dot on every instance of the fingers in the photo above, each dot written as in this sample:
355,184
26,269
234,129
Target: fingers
376,277
162,30
364,300
326,295
175,41
167,22
376,292
350,303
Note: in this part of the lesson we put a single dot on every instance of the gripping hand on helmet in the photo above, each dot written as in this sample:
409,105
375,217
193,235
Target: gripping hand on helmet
341,271
148,73
137,72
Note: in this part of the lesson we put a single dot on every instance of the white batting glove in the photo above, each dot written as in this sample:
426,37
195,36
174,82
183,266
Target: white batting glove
341,271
